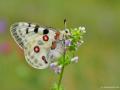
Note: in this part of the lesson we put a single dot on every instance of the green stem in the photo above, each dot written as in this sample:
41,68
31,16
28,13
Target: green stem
61,76
62,71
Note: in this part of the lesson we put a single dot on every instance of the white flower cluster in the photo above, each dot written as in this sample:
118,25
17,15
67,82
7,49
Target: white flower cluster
82,29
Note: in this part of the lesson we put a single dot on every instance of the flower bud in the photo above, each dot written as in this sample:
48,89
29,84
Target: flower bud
67,42
53,65
75,59
58,69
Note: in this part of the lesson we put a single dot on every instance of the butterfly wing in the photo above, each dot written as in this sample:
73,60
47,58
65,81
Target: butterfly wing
36,52
18,33
21,31
55,54
36,42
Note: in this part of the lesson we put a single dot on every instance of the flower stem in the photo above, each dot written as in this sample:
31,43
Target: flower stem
60,78
62,71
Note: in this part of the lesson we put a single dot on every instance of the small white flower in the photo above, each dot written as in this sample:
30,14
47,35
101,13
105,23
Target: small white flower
75,59
81,41
82,29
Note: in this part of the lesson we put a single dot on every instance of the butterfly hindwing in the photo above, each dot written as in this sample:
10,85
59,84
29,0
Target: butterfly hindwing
57,52
36,55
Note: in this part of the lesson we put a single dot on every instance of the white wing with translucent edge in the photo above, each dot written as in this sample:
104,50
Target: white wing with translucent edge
36,42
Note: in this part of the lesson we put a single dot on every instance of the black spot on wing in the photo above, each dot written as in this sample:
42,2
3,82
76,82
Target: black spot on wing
36,29
27,29
29,24
44,59
45,31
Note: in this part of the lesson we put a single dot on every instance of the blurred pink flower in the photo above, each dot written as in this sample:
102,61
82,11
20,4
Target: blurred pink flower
5,48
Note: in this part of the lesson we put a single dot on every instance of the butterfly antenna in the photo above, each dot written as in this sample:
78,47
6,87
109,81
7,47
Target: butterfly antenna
65,24
64,35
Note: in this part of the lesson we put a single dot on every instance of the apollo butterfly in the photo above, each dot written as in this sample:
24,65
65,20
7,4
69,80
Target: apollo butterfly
41,45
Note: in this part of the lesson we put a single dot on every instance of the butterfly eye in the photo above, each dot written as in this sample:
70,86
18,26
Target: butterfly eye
36,49
45,38
66,31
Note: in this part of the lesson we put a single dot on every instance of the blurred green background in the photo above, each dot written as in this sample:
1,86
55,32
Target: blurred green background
99,63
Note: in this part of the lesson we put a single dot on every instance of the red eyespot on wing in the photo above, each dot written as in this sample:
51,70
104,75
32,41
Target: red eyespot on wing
45,38
36,49
53,45
57,35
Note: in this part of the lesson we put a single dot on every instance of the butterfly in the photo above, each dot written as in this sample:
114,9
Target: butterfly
41,45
